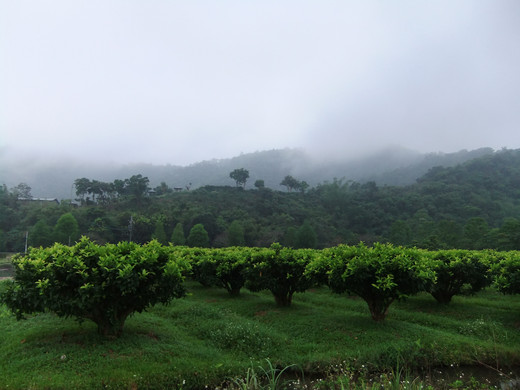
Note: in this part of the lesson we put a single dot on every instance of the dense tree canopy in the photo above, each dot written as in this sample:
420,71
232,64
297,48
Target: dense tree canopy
66,230
471,206
236,234
178,237
103,284
198,236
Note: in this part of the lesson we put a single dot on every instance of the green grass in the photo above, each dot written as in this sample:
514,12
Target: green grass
208,338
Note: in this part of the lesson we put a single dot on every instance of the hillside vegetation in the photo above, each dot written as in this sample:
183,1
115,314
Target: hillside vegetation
473,205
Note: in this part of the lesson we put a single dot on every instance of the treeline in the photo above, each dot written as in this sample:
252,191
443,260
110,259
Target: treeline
95,191
380,274
475,205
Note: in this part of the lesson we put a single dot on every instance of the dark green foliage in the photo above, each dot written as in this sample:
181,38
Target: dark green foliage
203,265
379,275
281,271
290,237
162,189
303,186
240,176
41,234
178,235
509,235
101,230
290,183
82,187
236,234
449,234
66,230
231,267
222,267
198,236
104,284
136,186
475,233
159,234
142,228
458,272
400,233
506,271
306,236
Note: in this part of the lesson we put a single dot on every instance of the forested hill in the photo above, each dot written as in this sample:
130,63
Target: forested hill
473,205
392,166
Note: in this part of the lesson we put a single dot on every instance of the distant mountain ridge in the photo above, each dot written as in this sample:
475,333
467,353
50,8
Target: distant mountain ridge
390,166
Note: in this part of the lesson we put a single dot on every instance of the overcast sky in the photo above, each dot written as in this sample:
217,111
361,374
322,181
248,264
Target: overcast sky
163,81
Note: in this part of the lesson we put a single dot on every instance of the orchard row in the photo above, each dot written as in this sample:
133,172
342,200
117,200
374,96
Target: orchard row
108,283
379,274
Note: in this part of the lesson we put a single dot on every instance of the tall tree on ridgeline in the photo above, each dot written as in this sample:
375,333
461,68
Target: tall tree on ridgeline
288,182
240,176
137,186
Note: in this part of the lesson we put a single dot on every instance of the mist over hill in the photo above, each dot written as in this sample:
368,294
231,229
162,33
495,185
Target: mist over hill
390,166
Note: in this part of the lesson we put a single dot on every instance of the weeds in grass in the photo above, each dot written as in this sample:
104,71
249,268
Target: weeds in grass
249,382
269,378
274,375
481,328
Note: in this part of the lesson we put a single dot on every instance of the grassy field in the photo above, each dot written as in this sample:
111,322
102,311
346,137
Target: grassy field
208,339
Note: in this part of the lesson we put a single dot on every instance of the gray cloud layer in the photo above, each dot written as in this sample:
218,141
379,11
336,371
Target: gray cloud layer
179,82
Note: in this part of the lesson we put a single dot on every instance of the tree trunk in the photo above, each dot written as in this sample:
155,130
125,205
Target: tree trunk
442,296
283,300
378,309
234,291
108,328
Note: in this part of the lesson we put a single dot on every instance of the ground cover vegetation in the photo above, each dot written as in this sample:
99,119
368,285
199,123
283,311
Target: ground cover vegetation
475,205
214,334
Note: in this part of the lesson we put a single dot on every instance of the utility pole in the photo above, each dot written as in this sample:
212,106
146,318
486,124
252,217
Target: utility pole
131,227
26,239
